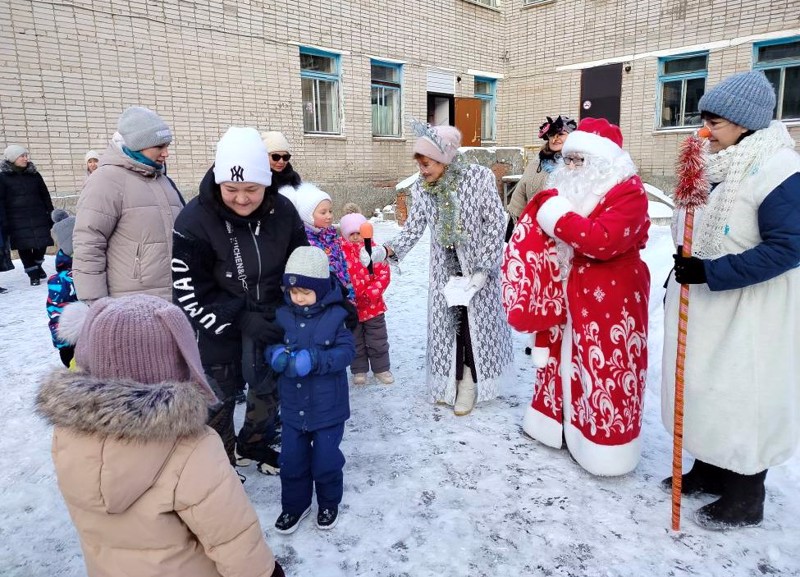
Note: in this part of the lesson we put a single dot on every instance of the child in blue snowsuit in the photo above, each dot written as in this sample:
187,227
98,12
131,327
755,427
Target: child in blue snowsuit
60,287
312,383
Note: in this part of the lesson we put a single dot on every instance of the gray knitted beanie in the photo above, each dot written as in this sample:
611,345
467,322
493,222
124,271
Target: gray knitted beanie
142,128
746,99
308,267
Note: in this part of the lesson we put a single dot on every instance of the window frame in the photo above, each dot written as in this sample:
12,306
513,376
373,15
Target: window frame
781,65
384,85
663,77
492,99
334,77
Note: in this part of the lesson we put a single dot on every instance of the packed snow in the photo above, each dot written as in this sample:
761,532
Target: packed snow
426,493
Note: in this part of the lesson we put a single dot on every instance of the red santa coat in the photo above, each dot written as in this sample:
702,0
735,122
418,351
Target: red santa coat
369,289
593,361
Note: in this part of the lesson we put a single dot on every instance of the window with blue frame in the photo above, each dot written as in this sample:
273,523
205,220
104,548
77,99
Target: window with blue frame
780,62
681,81
486,92
320,77
386,98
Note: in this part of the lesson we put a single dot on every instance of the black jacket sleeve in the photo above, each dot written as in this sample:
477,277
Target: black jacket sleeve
194,289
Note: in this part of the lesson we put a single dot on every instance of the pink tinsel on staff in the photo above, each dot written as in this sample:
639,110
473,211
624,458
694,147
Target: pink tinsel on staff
692,188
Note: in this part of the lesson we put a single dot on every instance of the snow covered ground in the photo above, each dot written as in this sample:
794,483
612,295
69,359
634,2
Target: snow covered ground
426,493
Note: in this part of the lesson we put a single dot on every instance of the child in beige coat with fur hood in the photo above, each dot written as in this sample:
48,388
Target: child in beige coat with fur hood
148,485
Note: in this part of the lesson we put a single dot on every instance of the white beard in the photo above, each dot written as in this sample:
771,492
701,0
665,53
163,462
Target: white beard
586,185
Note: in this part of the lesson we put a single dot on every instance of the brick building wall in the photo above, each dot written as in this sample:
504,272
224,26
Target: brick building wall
543,40
68,69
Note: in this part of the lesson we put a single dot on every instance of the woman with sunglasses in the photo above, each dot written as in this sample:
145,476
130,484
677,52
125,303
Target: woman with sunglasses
554,133
279,153
742,391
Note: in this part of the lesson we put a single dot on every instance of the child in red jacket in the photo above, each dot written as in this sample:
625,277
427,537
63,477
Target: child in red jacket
372,340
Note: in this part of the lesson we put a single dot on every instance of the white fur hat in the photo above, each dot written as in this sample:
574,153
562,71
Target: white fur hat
307,198
242,157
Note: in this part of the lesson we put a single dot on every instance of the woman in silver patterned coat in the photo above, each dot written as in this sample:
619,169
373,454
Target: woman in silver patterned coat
469,342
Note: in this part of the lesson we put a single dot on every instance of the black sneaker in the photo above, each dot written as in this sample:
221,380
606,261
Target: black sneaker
35,280
42,274
327,518
287,523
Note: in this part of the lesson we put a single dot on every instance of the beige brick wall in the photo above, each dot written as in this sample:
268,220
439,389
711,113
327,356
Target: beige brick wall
569,32
67,70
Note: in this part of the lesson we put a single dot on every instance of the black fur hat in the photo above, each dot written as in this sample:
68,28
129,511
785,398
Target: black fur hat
561,124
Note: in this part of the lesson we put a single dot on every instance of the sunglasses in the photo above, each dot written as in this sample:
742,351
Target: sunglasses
284,157
573,159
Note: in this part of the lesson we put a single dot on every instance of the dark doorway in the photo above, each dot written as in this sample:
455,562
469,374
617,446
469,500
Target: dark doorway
441,109
601,91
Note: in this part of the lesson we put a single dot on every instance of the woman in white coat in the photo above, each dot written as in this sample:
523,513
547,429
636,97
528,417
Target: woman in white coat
469,347
742,391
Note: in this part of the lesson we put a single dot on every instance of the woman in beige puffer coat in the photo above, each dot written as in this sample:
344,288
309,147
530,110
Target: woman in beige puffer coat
148,485
125,215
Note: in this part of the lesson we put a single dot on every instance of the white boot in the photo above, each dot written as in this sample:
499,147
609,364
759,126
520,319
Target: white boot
465,397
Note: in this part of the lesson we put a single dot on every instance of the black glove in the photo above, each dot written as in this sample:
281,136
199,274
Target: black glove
689,270
258,328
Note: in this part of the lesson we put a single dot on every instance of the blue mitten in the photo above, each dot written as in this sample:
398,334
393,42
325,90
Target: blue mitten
279,359
305,361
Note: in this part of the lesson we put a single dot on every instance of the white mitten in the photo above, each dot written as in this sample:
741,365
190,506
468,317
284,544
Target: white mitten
378,255
477,280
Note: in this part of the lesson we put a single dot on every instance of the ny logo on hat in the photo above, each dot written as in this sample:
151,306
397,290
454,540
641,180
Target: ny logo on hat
237,174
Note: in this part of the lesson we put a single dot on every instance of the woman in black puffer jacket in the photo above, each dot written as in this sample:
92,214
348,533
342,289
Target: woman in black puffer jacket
230,248
27,206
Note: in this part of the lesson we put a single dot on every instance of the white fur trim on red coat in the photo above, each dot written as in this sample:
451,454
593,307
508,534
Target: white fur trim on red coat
591,144
553,209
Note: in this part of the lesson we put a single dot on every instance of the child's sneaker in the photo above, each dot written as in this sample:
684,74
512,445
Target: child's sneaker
327,518
287,522
386,377
359,378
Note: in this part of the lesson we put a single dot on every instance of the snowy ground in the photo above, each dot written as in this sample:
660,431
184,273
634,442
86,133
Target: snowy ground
426,493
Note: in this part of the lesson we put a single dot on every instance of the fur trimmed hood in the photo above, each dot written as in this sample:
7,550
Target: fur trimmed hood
7,167
122,409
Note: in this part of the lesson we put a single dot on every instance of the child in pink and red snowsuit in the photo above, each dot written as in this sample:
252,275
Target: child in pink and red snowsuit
372,339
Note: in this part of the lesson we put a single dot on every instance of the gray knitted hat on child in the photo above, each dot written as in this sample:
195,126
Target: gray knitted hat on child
308,267
63,225
142,128
746,99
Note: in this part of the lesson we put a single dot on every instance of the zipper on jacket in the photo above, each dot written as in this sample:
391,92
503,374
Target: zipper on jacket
258,255
137,263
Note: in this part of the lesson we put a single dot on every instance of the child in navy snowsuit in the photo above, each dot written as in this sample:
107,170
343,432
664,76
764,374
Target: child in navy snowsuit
312,363
60,287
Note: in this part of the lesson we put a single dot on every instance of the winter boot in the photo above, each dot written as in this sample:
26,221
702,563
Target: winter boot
741,503
3,290
327,518
465,397
703,478
266,457
42,274
359,378
288,522
385,378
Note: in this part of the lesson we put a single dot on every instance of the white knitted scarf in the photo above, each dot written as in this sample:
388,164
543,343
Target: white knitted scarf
731,165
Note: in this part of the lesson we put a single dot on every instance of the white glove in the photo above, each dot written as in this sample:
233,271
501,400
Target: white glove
378,255
477,280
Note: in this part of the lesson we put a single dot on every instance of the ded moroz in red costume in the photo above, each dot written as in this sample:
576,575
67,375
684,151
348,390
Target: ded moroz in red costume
572,275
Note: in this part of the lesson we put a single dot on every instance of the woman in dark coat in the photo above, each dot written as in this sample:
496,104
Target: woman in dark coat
279,153
27,206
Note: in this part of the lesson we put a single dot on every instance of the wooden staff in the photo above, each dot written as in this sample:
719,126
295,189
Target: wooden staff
691,192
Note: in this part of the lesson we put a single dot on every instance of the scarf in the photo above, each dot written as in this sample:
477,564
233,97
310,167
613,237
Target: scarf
329,241
732,165
139,157
444,192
